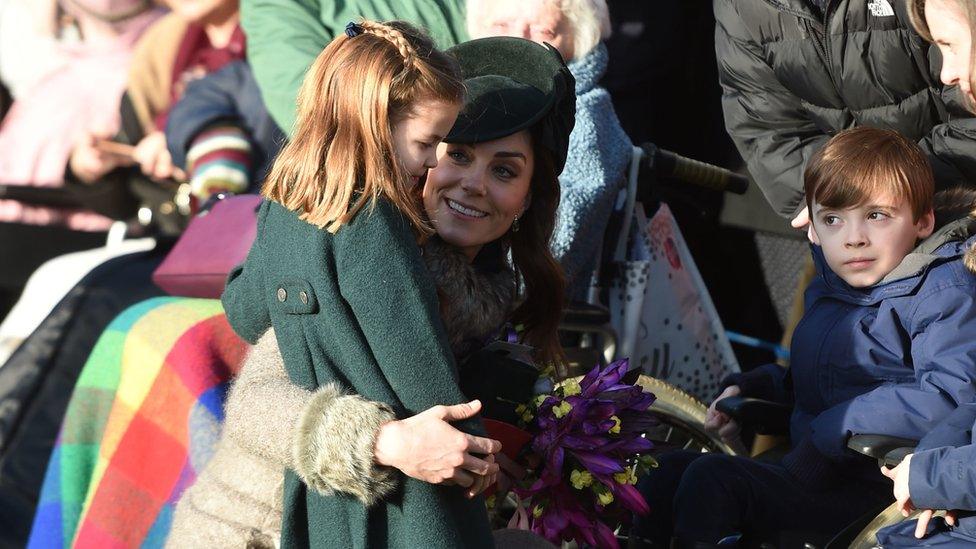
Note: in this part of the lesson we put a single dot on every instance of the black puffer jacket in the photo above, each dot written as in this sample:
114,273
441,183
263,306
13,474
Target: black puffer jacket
788,86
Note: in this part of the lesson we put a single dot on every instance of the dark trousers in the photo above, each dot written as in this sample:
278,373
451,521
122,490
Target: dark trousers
706,497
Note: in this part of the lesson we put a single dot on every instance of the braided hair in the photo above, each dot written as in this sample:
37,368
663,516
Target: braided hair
341,155
395,37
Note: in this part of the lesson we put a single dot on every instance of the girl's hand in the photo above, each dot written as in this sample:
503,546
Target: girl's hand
426,447
154,159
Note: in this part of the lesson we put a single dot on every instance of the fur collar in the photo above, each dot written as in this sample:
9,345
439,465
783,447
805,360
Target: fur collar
475,301
953,205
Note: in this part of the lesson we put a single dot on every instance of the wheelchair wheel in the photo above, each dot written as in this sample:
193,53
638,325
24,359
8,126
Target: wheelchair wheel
867,538
682,418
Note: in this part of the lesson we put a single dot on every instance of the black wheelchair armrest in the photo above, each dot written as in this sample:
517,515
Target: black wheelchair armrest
582,313
888,450
763,417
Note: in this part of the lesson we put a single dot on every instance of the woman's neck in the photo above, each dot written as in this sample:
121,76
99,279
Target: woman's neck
471,252
221,29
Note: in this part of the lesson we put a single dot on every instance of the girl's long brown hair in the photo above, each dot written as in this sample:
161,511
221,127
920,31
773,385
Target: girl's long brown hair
341,155
542,280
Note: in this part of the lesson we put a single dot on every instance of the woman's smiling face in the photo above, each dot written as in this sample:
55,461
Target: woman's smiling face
476,191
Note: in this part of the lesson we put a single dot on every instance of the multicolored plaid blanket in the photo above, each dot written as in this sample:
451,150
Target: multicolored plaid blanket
144,417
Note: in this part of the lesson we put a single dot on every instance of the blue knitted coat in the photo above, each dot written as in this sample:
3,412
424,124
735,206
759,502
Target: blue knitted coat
596,169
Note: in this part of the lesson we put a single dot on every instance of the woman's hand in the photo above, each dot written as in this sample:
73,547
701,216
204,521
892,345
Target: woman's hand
426,447
802,221
717,422
481,483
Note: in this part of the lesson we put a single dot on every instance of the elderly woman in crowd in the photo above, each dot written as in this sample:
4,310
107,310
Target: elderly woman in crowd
599,150
285,35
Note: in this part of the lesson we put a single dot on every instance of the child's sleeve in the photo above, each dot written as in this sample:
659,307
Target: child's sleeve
943,468
243,300
769,382
955,430
944,355
944,478
392,295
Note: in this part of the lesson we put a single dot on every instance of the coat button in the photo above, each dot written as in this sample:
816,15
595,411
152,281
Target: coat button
304,297
282,294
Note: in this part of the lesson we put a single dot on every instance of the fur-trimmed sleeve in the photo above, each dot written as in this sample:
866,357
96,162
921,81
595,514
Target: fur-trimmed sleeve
327,437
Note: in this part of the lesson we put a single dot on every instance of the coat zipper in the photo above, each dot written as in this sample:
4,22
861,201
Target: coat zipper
825,43
820,42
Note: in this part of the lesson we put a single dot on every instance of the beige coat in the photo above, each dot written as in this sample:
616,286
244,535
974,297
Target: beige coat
325,436
271,424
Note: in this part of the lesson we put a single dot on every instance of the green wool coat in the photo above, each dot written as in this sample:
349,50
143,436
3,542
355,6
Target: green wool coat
285,36
358,308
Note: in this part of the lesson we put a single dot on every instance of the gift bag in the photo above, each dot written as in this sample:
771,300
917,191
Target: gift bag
664,317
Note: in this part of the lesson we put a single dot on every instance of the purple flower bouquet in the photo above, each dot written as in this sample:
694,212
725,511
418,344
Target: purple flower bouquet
587,441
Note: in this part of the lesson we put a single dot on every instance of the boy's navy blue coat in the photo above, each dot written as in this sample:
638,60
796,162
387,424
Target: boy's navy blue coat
895,358
942,476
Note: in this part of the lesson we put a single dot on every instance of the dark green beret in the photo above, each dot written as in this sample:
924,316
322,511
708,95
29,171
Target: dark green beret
513,84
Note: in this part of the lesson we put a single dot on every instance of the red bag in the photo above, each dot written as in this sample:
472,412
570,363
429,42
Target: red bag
216,241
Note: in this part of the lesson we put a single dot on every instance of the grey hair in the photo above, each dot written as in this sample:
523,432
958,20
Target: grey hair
588,19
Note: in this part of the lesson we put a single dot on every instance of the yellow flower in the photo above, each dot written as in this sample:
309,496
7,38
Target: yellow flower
520,409
615,430
627,476
572,387
605,498
527,417
537,511
540,399
561,409
580,479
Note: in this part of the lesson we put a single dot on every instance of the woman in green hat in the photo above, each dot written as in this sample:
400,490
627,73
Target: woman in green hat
494,191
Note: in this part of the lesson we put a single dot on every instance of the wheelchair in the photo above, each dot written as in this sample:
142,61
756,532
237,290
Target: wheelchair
772,418
595,339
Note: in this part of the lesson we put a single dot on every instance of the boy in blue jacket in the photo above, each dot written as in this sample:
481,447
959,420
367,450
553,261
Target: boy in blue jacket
887,345
940,474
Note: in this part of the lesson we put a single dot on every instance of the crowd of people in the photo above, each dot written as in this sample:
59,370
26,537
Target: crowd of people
435,173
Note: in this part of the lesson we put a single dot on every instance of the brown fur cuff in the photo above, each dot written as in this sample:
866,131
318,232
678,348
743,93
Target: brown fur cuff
335,443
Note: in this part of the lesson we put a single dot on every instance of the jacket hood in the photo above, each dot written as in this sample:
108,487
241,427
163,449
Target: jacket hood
954,237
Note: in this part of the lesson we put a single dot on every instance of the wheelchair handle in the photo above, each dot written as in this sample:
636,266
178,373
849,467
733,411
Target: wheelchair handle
764,417
888,450
668,164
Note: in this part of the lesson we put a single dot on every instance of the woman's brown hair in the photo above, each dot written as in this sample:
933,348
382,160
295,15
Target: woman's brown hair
916,12
542,282
341,155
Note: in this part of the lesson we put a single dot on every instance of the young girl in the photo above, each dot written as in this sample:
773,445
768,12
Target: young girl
336,270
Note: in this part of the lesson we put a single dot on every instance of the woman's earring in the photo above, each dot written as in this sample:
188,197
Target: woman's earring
515,225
